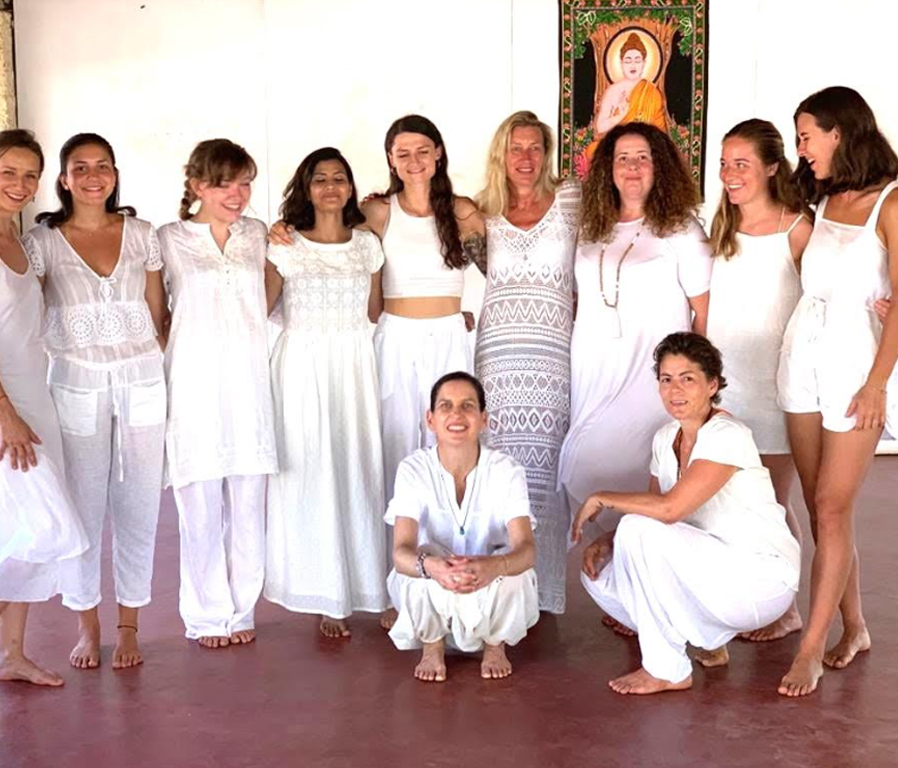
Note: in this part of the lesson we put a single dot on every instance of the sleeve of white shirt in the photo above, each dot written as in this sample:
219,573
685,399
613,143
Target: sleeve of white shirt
153,262
279,255
726,441
34,253
694,260
408,494
657,447
373,250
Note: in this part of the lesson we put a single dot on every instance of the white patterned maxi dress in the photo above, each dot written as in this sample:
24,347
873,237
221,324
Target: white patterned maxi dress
523,360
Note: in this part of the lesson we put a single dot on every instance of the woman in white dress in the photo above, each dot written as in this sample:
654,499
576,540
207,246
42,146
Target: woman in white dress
706,553
326,545
105,306
837,358
643,270
38,523
219,442
758,235
523,355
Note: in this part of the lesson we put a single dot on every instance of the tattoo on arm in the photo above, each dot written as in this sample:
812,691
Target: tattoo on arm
474,247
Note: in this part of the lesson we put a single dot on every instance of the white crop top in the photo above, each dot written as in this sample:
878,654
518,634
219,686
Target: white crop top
414,263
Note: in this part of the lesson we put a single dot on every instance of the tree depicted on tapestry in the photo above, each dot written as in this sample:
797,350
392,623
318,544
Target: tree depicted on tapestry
632,61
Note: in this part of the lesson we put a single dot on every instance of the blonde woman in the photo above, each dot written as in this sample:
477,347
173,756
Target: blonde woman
523,346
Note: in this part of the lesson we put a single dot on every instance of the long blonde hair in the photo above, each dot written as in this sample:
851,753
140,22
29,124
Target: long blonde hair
768,144
493,198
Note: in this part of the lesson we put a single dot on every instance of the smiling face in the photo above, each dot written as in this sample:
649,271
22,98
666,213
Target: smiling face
224,202
745,177
815,145
329,187
414,158
685,389
20,171
633,172
456,419
525,156
633,64
90,175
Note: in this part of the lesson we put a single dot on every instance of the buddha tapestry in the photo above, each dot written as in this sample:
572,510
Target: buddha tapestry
633,60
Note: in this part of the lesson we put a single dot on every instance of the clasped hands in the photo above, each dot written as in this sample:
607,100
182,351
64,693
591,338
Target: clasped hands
463,575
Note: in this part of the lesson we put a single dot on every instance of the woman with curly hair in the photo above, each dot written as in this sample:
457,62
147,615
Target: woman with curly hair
643,270
835,376
706,553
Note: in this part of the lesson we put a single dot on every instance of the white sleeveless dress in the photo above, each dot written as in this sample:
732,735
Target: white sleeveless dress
523,359
38,522
753,295
833,335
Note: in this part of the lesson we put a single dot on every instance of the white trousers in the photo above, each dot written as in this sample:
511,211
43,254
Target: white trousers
113,442
677,584
222,525
411,355
499,613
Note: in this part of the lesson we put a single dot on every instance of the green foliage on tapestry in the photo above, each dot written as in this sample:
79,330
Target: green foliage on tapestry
587,21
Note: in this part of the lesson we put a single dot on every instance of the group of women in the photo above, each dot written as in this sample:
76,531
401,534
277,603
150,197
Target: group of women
157,346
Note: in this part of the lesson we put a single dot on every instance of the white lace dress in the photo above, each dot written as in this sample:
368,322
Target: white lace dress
523,360
326,540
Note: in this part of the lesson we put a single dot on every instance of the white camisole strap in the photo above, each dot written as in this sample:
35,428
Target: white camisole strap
873,218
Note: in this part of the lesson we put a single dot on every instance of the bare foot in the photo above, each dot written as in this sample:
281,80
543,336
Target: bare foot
24,669
802,677
619,629
495,664
786,624
854,640
242,637
333,627
719,657
388,618
126,653
642,683
86,653
432,667
214,641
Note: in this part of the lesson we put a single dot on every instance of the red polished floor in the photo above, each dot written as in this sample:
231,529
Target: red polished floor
295,699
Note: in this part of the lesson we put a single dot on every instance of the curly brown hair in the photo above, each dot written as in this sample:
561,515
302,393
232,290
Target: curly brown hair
672,201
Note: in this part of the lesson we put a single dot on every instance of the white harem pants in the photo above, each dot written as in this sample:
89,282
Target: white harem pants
499,613
677,584
222,525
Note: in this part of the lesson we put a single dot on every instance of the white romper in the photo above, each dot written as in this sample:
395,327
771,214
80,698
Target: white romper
833,336
753,295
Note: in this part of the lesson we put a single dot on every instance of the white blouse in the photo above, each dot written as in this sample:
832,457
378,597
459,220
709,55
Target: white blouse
495,493
220,418
89,318
744,513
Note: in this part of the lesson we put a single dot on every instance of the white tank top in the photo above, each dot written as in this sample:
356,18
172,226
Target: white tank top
414,263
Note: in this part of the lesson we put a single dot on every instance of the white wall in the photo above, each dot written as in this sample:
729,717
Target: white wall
284,77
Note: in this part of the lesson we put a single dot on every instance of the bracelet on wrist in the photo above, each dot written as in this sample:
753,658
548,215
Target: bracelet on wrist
419,566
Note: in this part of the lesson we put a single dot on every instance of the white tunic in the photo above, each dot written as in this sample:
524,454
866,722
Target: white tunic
833,336
615,408
753,295
326,541
220,419
38,523
744,513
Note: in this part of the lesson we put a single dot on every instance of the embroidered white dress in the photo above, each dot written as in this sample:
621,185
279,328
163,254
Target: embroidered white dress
326,551
523,360
753,295
220,418
615,408
107,382
38,522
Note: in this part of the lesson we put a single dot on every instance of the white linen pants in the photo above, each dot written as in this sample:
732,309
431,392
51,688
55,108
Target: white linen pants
113,443
411,355
222,525
499,613
677,584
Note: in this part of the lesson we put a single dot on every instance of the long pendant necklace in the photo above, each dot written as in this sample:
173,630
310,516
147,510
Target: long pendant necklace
620,264
467,499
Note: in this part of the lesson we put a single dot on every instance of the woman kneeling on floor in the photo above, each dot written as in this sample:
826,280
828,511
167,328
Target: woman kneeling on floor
706,553
463,540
